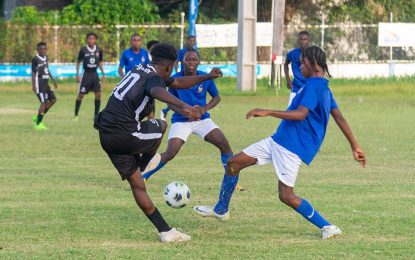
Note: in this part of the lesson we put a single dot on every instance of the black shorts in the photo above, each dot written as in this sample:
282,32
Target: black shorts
127,151
90,82
46,96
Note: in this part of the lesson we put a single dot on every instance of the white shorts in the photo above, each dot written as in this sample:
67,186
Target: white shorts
200,128
286,163
292,96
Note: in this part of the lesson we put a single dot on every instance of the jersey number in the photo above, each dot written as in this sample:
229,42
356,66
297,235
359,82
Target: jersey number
125,85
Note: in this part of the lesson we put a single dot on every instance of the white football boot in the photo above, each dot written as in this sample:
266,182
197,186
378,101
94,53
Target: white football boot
207,211
173,236
330,231
152,164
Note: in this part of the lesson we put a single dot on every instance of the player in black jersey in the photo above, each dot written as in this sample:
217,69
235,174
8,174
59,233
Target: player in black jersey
40,85
131,142
91,57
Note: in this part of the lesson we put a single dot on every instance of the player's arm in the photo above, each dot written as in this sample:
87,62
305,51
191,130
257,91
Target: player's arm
214,101
190,81
121,71
121,66
287,73
55,83
78,79
101,66
358,154
34,69
78,63
177,105
297,115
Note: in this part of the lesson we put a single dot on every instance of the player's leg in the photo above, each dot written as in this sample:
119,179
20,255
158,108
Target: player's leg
51,100
41,112
97,102
258,153
234,165
151,127
78,103
166,233
179,132
96,87
218,139
287,165
83,89
305,209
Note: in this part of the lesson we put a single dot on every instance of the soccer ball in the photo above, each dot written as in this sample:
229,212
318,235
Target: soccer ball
176,195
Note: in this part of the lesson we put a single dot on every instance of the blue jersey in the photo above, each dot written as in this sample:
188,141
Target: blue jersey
193,96
304,138
294,57
180,56
129,59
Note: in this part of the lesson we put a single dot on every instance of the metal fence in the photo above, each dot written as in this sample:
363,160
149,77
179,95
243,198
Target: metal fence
18,42
342,42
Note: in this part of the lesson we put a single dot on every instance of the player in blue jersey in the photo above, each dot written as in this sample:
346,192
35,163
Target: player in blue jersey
181,128
133,56
294,57
190,45
297,139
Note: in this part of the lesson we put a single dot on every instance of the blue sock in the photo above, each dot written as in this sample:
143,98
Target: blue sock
166,110
224,159
148,175
228,186
312,215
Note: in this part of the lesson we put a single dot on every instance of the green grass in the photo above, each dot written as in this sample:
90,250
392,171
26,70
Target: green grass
60,197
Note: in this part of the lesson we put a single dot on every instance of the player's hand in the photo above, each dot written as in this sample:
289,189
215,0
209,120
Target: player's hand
360,156
202,110
215,73
78,79
289,84
55,84
103,79
257,112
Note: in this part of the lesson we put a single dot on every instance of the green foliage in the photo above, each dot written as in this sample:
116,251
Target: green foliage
110,12
369,11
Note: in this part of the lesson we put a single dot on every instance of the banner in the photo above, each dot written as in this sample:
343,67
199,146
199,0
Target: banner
193,9
226,35
24,71
396,35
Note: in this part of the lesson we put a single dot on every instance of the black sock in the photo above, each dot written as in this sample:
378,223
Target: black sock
97,105
77,106
39,118
158,221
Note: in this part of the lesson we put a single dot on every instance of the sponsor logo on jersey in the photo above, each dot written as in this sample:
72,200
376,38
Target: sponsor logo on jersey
200,89
143,59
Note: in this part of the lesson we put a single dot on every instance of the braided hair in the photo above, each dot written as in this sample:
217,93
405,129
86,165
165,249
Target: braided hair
316,56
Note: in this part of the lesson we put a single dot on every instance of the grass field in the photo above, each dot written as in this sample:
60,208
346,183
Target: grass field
60,196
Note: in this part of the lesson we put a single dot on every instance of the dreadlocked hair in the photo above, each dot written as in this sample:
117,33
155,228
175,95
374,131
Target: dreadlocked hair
316,56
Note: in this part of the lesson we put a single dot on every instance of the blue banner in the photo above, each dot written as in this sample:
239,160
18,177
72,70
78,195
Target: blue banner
193,9
24,71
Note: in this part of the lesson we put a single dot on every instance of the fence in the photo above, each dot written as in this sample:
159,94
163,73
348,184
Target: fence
342,42
64,41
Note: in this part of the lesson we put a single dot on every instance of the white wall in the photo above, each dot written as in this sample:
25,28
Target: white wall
361,70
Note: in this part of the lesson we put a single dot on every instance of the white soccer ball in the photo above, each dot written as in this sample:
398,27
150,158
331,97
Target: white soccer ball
176,195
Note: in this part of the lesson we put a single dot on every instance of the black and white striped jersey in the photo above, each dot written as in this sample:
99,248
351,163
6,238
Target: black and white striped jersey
130,101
